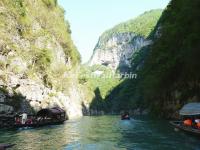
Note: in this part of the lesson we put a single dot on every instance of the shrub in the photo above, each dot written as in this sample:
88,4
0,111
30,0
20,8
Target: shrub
50,3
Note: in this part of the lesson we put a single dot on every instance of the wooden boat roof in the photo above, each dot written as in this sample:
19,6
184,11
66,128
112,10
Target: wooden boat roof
190,109
50,111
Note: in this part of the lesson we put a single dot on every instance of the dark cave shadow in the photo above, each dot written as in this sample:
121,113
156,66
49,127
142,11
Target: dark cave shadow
13,103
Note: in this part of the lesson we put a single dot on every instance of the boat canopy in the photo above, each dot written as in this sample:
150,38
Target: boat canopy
190,109
51,112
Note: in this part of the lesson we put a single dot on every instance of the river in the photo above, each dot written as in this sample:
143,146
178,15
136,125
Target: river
102,133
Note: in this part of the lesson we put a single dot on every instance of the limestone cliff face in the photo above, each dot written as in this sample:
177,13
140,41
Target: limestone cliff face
117,45
32,95
117,50
36,57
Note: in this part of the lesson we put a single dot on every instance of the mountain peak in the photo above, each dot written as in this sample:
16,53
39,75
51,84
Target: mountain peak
117,45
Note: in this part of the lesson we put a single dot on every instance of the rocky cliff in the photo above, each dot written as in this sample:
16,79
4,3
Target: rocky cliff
169,76
36,57
116,46
117,51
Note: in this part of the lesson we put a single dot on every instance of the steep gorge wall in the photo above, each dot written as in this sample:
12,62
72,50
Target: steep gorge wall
169,77
117,46
120,49
116,52
36,57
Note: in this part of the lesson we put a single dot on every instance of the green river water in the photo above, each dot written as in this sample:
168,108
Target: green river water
102,133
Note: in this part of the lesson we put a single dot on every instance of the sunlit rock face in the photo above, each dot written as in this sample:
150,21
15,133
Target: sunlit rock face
116,51
32,56
35,96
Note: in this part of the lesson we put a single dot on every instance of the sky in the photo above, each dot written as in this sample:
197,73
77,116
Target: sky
90,18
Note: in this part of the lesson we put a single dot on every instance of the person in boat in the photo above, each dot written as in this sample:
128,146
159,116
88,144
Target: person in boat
24,117
125,116
17,119
187,122
197,122
29,121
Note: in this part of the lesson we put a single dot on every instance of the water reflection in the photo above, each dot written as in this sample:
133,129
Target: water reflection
102,133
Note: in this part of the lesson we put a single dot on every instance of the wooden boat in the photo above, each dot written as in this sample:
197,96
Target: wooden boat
125,116
190,130
189,111
51,116
38,124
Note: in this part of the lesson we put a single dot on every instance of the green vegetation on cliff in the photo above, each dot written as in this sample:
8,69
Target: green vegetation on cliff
173,61
170,75
96,82
142,25
36,41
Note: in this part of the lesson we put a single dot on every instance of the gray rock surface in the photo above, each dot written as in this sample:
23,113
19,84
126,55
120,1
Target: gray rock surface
22,44
117,50
36,96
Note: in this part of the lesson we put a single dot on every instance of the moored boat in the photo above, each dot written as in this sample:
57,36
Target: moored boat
191,130
50,116
125,116
189,119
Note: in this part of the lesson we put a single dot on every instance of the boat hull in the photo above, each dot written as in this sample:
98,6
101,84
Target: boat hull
127,118
188,130
36,125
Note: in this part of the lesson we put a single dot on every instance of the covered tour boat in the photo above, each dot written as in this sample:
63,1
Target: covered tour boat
49,116
189,119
